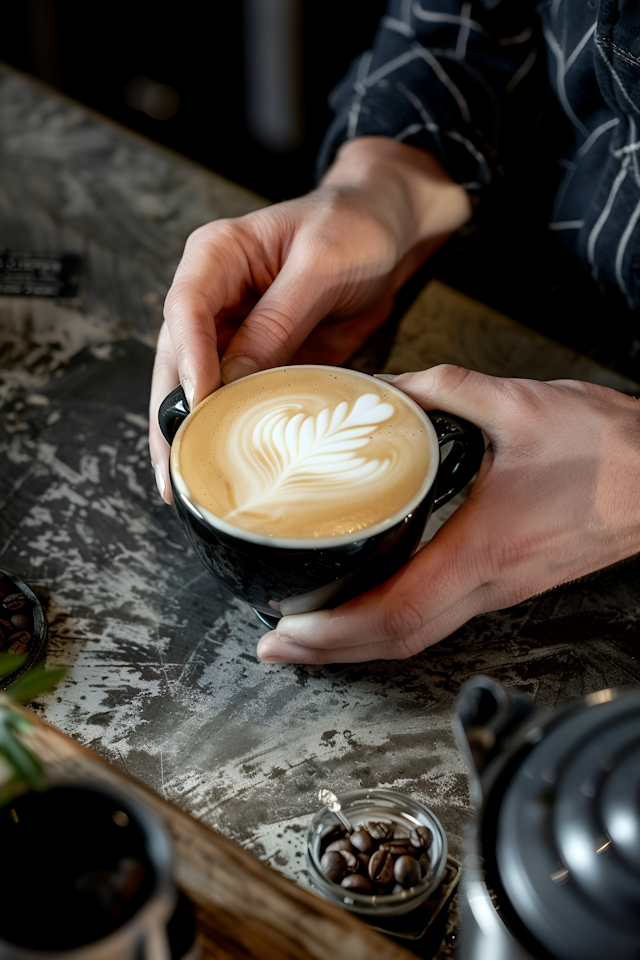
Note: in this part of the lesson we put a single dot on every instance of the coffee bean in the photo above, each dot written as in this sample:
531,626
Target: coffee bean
351,861
6,625
425,864
362,841
398,888
407,871
400,841
381,866
355,881
400,831
22,637
364,861
333,866
379,831
338,845
20,622
398,849
4,589
14,601
421,837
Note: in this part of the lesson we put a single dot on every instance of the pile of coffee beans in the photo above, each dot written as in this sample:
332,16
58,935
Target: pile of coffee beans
377,858
16,618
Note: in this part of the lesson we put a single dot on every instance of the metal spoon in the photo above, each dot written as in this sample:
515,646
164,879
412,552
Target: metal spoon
332,803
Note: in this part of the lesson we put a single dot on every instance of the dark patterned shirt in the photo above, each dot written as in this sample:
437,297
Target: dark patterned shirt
465,80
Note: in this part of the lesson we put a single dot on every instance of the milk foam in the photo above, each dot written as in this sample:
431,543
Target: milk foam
303,453
290,455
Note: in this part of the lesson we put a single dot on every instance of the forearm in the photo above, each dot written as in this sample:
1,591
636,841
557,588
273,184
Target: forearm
406,188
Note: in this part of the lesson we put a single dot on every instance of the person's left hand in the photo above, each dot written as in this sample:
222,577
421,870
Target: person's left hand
557,497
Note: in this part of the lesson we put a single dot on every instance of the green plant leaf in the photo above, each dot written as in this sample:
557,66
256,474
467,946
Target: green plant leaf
19,758
35,682
9,663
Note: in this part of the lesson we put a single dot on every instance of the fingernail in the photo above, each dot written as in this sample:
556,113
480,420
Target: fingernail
388,377
157,469
233,368
189,391
297,627
270,659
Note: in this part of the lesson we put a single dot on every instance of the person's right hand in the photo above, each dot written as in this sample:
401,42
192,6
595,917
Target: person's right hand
254,290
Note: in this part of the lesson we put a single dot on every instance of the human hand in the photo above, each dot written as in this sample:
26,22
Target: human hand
309,280
557,497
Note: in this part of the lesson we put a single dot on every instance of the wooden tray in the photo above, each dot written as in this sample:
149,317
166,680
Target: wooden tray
244,909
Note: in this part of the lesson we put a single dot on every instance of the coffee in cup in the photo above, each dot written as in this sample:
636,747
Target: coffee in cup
300,487
300,453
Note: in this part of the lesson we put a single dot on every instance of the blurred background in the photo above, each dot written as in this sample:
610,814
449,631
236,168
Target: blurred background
240,86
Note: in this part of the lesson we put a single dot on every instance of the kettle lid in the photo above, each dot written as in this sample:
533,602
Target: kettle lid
567,841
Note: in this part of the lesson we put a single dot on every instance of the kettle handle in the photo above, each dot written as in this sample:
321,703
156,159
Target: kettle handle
485,715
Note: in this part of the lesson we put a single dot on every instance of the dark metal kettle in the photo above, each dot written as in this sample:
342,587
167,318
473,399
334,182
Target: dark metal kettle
552,866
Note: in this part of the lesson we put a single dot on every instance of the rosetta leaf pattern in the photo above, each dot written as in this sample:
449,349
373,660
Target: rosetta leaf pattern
290,455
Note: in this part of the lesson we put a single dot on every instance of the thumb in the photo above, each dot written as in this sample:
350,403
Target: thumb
279,323
484,400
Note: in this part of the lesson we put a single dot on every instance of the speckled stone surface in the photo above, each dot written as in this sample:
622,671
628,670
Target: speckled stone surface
163,679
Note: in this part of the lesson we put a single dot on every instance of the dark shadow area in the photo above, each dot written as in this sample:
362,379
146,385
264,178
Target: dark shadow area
102,57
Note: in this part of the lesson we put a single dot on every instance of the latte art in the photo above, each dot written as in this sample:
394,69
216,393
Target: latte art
303,453
292,455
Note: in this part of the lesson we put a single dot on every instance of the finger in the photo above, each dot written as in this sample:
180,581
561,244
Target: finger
165,378
280,322
486,401
211,276
272,649
436,580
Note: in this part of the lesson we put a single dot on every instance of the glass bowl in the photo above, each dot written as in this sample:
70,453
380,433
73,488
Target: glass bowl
387,806
40,632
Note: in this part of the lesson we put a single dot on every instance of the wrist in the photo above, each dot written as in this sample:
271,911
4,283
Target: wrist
408,188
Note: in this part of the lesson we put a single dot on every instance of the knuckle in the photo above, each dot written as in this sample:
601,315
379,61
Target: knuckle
401,621
208,231
448,376
272,326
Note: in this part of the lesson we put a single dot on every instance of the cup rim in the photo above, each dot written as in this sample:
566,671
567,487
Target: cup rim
308,543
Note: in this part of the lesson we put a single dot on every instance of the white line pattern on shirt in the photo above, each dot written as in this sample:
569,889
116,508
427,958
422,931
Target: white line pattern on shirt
522,37
463,32
595,134
560,72
579,48
604,216
356,103
390,23
522,71
622,247
431,17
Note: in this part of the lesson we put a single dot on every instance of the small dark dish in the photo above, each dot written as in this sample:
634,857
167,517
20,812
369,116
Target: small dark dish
23,624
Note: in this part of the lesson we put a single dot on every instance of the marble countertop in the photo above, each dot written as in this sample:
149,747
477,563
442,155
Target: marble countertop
163,679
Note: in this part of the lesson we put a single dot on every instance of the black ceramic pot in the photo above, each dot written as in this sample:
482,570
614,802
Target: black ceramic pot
87,875
552,870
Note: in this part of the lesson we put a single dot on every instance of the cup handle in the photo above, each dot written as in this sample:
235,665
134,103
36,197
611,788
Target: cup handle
464,459
173,410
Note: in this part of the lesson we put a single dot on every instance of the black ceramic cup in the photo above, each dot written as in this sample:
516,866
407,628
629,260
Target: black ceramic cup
279,577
